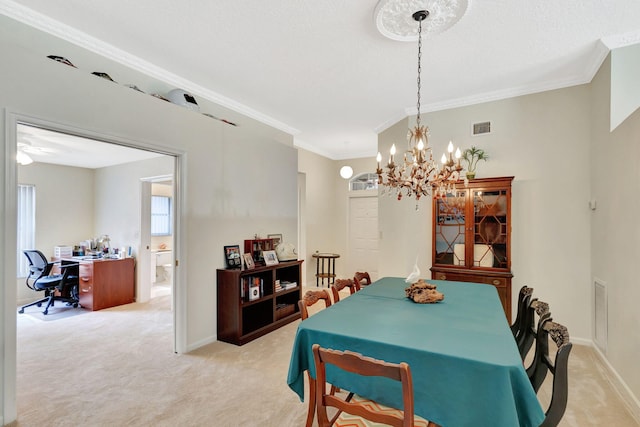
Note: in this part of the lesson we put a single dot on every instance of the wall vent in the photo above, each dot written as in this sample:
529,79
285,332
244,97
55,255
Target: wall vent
481,128
600,314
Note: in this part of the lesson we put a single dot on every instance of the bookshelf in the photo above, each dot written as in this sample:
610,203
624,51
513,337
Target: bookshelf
254,302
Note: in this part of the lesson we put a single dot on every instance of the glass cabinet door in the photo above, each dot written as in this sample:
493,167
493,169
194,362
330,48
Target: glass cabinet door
450,229
490,228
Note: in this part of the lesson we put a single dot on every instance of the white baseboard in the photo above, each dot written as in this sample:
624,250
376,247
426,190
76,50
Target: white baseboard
202,342
630,400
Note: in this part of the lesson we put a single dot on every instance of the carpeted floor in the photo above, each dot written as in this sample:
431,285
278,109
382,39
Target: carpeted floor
116,367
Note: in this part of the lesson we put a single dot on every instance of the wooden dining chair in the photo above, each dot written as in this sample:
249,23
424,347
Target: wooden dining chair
542,364
360,408
312,297
308,299
536,309
524,297
362,278
340,284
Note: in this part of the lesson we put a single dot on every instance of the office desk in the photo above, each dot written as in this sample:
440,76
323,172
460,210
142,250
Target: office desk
465,364
105,283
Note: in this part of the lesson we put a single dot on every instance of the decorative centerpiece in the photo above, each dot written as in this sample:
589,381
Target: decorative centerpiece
472,156
423,293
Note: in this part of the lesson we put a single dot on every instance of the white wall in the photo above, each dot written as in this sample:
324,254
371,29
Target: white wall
615,249
320,210
237,181
117,199
625,85
64,210
542,140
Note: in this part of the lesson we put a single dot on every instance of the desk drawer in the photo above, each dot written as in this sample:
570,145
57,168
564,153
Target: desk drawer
85,285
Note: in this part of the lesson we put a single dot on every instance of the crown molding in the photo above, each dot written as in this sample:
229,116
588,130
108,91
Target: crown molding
58,29
299,143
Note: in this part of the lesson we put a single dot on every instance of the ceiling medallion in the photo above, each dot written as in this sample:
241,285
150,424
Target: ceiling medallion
394,17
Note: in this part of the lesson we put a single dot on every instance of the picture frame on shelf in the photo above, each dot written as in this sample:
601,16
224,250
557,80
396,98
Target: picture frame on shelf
248,261
232,256
270,257
277,239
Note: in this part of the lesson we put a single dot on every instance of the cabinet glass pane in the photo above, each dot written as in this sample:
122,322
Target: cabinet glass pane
449,231
490,228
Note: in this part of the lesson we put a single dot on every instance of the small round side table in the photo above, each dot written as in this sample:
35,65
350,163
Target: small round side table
330,273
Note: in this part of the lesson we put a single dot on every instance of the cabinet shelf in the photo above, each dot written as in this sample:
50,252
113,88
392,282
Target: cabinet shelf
241,320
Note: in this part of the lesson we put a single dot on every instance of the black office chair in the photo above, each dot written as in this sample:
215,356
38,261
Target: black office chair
41,279
542,364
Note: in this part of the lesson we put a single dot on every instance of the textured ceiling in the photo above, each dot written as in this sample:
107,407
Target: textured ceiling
322,71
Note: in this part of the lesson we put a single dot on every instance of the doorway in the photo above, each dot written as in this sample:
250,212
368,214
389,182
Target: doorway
104,209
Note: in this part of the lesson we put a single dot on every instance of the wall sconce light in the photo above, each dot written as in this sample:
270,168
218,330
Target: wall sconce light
346,172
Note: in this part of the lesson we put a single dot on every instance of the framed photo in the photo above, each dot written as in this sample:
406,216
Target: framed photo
232,256
277,239
248,261
270,257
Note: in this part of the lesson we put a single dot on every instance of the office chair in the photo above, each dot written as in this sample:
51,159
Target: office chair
41,279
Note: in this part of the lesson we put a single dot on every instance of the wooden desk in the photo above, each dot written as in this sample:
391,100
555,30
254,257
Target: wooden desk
105,283
464,361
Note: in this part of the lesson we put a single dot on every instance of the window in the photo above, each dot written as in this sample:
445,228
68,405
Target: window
26,226
364,181
161,216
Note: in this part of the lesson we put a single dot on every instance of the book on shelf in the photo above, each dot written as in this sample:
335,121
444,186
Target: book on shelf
288,285
251,288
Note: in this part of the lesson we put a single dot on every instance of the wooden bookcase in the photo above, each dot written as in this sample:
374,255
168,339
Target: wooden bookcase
472,236
240,319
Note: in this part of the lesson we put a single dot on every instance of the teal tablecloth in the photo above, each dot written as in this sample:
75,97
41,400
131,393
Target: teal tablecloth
465,364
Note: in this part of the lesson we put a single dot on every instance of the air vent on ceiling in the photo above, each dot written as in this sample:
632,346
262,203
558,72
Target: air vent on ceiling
481,128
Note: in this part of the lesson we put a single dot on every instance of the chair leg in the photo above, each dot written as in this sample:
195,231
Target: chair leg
312,400
38,303
49,304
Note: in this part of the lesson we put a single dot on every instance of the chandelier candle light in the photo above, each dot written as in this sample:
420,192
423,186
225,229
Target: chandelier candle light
418,174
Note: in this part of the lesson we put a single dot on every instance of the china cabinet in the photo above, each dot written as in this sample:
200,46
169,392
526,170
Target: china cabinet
472,235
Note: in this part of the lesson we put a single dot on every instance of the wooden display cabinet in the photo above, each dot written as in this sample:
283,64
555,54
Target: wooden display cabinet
472,235
242,319
255,248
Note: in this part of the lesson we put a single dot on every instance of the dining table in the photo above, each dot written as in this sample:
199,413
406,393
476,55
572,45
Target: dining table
464,361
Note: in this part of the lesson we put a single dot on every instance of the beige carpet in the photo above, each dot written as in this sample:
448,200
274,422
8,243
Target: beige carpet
116,367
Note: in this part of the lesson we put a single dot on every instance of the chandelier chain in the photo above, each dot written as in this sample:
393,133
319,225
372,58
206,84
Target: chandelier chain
419,69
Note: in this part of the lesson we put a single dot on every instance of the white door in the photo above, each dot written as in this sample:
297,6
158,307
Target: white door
363,235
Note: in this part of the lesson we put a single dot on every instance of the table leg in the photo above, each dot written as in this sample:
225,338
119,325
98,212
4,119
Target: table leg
332,270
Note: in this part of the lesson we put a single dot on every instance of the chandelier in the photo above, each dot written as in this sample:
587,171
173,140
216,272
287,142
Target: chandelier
417,174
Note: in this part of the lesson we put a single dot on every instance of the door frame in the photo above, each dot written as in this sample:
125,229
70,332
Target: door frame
8,333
